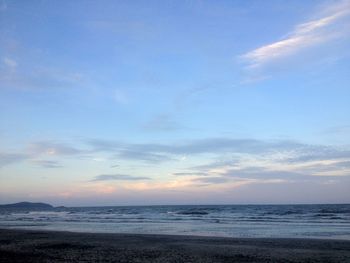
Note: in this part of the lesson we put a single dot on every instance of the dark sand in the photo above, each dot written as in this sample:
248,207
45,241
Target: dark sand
45,246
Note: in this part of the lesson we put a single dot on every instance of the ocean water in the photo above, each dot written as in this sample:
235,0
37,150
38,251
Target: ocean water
296,221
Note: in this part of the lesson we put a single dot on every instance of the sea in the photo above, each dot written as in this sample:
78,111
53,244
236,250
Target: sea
243,221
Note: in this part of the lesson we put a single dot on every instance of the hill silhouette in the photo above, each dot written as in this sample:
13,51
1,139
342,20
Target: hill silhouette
27,206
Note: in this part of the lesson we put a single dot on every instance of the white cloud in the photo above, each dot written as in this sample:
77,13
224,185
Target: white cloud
304,35
10,63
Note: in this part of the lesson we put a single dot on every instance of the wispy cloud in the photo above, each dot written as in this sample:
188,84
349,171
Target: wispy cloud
328,26
248,158
132,30
53,148
216,165
118,177
47,163
38,150
189,173
162,122
152,157
263,173
288,151
9,158
200,146
319,153
341,129
211,180
10,63
273,168
120,96
234,182
38,77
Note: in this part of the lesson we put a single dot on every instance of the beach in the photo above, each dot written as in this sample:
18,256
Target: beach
57,246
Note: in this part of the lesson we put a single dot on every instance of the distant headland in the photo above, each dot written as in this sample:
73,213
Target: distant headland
27,206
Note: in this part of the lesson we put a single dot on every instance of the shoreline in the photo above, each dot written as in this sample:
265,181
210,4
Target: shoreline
59,246
74,232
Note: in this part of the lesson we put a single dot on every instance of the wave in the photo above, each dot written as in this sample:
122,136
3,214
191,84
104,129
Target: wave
193,212
334,211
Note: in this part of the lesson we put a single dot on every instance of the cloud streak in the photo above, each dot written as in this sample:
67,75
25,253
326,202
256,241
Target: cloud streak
11,63
35,151
162,123
53,148
143,156
189,173
47,164
118,177
202,146
12,76
222,157
9,158
303,36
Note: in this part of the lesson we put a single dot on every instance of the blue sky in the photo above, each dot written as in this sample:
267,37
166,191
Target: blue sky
174,102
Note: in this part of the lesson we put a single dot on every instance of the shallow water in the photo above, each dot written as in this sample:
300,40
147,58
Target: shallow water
297,221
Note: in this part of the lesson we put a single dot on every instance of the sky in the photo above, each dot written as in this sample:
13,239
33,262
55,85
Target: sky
175,102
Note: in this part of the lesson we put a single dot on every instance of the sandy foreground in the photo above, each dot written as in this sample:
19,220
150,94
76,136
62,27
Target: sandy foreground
47,246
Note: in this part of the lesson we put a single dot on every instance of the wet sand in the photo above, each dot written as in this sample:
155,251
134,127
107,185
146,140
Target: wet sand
47,246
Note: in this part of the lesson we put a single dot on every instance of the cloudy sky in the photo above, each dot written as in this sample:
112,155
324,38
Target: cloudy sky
175,102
